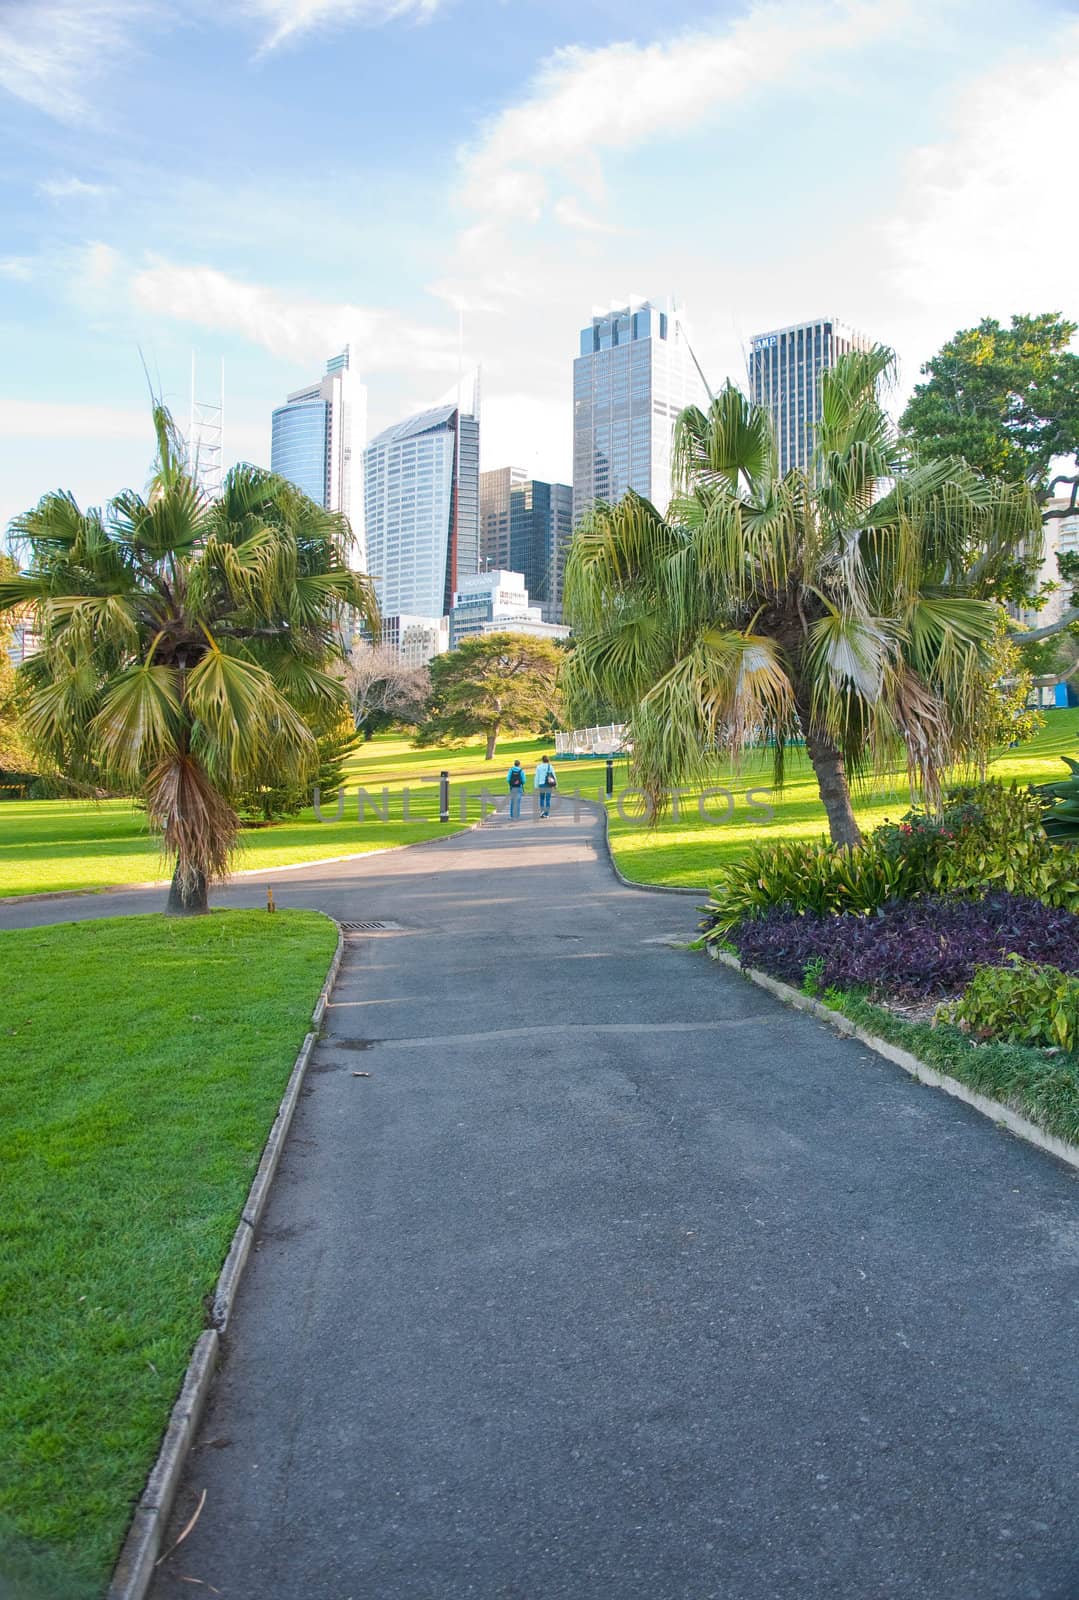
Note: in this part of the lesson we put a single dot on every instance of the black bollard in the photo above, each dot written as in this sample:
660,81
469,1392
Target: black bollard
610,776
443,797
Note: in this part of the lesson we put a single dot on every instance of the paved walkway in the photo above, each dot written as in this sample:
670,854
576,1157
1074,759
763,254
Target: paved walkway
617,1281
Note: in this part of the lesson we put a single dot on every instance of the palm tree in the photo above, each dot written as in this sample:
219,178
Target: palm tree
849,604
183,641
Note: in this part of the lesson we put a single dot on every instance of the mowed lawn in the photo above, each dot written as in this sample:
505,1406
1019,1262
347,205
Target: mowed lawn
690,852
142,1062
60,845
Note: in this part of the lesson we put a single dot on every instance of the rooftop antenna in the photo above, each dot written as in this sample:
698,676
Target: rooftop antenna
206,438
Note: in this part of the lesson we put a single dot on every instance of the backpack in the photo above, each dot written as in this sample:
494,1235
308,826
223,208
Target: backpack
517,777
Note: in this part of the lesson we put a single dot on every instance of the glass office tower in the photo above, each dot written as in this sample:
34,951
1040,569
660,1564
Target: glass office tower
525,526
421,490
317,439
633,377
784,376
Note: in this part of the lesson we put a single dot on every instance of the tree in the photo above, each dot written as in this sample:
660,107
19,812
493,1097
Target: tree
274,792
1006,686
1004,399
495,683
845,604
14,756
382,688
183,641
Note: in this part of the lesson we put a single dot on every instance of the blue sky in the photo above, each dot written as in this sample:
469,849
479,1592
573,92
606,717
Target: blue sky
258,180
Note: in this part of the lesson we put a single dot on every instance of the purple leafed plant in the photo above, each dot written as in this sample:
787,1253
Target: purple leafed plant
914,948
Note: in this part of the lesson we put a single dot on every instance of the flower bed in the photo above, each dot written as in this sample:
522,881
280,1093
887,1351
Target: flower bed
912,949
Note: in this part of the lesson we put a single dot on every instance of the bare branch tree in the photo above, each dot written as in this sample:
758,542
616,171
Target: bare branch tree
381,686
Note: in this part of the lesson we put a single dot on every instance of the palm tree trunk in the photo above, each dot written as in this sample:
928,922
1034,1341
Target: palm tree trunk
189,899
834,791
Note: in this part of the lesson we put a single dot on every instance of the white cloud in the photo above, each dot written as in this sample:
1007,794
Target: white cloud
50,49
571,214
304,331
979,226
72,189
621,96
290,17
20,268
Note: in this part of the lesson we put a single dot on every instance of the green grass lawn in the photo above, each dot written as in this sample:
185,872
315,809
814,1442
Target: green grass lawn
690,852
142,1061
61,844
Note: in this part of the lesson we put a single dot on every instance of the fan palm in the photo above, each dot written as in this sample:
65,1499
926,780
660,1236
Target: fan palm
183,640
849,605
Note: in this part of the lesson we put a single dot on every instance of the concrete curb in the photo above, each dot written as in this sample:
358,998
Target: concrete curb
134,1570
995,1110
630,883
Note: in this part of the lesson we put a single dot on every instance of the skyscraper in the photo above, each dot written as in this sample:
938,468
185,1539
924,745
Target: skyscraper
632,378
784,375
317,442
495,490
421,497
525,526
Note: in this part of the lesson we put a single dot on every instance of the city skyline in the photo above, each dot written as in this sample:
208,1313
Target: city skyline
474,179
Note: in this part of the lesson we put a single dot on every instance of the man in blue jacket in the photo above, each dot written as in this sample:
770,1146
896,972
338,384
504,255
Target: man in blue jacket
515,777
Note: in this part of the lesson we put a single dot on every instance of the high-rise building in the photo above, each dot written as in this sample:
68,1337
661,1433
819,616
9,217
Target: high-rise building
495,490
632,378
317,442
784,375
421,510
525,526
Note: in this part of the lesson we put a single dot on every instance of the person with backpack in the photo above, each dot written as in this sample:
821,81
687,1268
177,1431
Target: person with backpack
546,782
515,778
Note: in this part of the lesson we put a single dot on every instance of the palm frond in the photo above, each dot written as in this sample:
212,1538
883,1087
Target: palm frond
139,722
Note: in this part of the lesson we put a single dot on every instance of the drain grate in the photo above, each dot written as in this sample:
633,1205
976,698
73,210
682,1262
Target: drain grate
372,927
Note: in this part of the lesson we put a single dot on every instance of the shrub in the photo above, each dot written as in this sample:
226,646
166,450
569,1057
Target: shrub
1021,1004
1060,804
1007,849
988,837
805,877
918,948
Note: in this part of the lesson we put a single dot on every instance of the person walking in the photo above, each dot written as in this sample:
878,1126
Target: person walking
546,782
515,778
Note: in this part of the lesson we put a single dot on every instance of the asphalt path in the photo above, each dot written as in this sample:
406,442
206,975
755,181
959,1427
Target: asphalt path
593,1273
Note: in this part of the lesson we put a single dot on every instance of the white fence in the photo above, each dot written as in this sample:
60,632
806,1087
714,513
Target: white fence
609,741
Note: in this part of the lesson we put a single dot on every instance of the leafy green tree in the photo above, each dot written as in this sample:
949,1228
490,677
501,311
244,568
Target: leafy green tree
493,684
274,792
1006,686
184,641
844,604
12,751
1005,399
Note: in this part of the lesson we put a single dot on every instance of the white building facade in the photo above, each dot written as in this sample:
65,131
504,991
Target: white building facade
421,511
497,602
